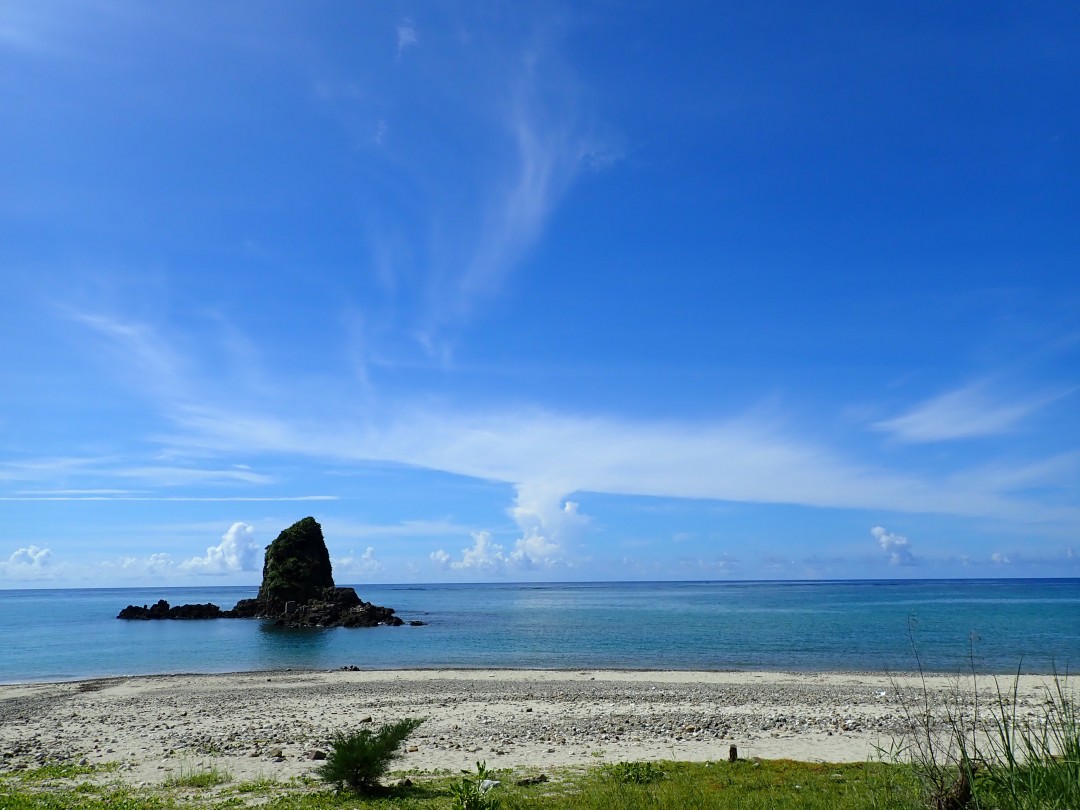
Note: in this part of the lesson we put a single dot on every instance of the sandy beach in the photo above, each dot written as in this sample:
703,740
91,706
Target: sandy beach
267,724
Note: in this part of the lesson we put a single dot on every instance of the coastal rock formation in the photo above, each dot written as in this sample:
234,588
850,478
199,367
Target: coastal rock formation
296,571
297,590
161,610
337,607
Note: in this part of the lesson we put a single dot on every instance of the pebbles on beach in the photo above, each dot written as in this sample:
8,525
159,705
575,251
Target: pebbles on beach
255,726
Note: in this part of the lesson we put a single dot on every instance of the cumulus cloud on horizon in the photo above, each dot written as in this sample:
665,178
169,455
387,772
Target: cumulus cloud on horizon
896,546
27,562
366,563
546,524
237,551
31,556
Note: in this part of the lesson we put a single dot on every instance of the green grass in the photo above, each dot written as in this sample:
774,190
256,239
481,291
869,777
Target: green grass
199,778
748,785
264,786
63,770
967,752
745,785
114,798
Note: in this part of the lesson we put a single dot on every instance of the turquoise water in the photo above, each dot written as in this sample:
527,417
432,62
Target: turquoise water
999,625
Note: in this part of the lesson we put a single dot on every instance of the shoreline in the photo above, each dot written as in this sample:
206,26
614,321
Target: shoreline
615,671
265,724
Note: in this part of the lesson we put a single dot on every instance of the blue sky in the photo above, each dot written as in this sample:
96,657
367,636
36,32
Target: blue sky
539,291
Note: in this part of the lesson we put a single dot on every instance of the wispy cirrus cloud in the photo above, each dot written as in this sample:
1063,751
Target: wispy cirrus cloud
111,468
450,221
406,35
548,456
554,455
971,412
345,530
175,498
547,155
40,29
145,354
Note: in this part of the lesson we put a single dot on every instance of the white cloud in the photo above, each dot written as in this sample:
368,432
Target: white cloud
237,551
1000,559
546,525
40,29
739,460
366,563
407,529
895,545
147,357
485,556
522,198
963,414
30,557
406,35
159,565
550,456
27,563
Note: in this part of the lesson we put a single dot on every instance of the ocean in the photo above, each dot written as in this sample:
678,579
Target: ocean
995,626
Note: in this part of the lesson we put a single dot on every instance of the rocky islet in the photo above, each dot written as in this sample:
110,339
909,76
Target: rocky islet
297,590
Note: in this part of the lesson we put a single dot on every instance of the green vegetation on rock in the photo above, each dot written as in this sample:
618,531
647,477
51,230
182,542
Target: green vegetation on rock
297,565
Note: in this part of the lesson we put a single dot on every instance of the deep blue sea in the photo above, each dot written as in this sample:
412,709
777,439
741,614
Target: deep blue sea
996,625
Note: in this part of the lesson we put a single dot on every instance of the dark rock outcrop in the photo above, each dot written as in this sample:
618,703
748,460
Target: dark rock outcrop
338,607
296,568
161,610
297,590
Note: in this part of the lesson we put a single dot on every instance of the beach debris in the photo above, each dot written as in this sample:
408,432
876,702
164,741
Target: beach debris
315,754
532,780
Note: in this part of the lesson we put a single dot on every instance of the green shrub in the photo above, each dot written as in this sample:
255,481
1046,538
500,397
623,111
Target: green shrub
471,793
636,773
360,759
199,778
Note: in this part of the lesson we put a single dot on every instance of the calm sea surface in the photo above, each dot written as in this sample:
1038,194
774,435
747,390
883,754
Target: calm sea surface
50,635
